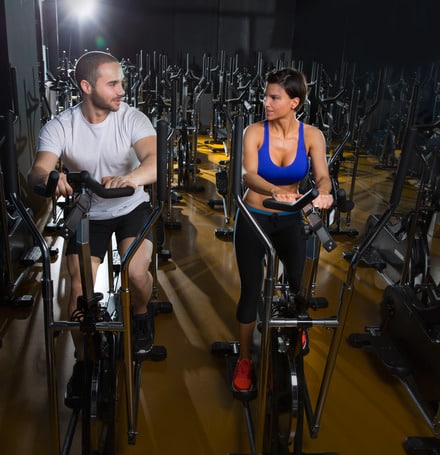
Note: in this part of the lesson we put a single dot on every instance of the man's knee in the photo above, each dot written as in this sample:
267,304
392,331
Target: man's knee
140,277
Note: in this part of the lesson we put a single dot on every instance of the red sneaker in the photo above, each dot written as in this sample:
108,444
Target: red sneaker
305,342
242,380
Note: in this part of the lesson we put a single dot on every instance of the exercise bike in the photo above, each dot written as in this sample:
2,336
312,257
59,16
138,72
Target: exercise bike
281,342
111,371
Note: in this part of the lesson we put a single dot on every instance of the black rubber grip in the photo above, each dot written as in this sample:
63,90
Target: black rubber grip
237,154
83,178
49,189
162,159
52,182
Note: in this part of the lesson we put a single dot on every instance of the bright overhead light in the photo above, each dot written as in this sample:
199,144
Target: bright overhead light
82,9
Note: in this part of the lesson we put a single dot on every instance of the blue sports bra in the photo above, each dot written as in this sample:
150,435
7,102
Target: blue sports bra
283,175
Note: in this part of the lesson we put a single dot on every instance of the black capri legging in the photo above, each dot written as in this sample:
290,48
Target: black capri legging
286,233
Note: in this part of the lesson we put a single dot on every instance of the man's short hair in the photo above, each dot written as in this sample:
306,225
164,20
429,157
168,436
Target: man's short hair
86,67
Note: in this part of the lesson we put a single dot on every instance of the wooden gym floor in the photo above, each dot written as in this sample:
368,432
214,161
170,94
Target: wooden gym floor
186,405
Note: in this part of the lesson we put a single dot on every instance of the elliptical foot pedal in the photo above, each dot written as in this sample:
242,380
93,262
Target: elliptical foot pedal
161,307
374,259
347,255
230,351
23,301
224,348
422,446
318,302
371,259
386,351
213,202
175,197
31,256
164,255
51,228
132,438
225,233
157,353
173,224
359,340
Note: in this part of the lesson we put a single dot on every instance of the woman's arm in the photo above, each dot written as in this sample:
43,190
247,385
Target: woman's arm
317,151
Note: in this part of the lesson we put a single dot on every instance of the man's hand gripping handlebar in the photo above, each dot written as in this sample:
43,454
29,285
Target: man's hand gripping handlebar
84,185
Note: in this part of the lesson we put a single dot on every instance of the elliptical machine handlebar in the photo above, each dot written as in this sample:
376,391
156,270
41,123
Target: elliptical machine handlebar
78,181
314,220
83,179
299,204
48,189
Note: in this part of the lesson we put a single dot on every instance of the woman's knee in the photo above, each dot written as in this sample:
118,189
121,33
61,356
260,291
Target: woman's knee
247,309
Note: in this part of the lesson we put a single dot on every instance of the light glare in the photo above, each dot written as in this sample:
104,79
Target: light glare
82,9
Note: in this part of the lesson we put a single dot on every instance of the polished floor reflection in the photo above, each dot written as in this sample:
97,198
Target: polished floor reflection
186,405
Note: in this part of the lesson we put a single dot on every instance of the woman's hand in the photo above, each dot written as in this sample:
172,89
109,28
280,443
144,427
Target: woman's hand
323,201
284,196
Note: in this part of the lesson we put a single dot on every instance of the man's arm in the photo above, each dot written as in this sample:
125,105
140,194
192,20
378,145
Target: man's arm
43,164
145,173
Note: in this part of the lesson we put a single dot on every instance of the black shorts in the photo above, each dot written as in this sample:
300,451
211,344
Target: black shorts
101,231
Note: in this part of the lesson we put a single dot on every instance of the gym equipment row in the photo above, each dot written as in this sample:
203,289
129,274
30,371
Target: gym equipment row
350,107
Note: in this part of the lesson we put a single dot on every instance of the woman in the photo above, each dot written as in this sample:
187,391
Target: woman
276,153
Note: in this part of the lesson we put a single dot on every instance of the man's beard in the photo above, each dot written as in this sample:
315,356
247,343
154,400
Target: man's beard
100,103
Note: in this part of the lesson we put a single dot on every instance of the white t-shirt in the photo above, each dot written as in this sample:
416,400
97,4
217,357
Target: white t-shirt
102,149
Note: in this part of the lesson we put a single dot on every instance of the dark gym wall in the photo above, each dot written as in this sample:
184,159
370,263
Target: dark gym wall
369,33
50,34
20,57
5,93
175,28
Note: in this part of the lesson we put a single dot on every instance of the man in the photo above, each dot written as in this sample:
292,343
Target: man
99,135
